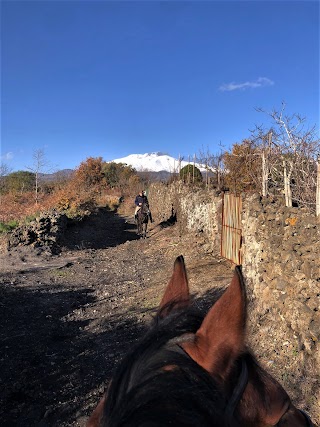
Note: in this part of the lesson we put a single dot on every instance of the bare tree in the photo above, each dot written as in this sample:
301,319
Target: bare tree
289,156
40,165
4,171
213,164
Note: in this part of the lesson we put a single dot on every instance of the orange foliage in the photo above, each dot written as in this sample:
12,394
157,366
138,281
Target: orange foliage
89,173
243,167
19,206
78,196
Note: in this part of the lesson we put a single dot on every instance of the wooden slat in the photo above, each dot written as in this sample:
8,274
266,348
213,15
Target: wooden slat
231,235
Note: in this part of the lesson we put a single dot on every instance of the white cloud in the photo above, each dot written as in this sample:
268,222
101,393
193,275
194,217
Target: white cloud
260,82
7,156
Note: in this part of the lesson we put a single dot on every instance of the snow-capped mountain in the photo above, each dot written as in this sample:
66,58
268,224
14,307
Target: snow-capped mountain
155,162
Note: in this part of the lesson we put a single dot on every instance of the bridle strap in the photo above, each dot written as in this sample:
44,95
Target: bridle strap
307,418
237,394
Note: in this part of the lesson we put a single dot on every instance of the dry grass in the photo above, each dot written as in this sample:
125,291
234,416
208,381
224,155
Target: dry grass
3,242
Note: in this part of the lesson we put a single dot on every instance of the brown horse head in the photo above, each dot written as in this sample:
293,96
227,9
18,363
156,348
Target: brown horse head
211,357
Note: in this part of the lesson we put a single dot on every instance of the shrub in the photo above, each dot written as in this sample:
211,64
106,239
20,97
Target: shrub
9,226
191,174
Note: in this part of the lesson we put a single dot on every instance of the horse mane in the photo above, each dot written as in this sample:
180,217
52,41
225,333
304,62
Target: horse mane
155,375
144,208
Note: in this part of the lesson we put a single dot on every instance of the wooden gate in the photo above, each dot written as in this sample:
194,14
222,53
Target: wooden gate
231,234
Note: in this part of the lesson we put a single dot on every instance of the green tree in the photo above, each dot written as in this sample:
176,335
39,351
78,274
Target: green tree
191,174
118,174
111,173
19,182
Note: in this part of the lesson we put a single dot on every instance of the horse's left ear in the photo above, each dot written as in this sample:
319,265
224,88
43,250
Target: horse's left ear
177,293
220,339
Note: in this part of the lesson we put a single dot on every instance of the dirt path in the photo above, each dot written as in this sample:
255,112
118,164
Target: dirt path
67,320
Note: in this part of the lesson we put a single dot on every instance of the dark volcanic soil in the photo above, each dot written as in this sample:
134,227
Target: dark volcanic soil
66,320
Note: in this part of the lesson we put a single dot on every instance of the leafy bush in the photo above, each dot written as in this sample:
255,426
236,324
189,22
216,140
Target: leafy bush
30,218
9,226
191,174
78,211
89,173
19,182
118,174
112,202
243,166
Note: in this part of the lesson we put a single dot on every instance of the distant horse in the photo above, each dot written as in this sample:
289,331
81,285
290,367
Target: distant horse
196,371
142,220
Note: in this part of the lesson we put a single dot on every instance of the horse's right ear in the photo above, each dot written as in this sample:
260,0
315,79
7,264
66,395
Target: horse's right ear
177,293
220,339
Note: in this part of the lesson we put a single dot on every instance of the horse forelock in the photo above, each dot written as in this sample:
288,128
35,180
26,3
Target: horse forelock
154,382
162,331
154,375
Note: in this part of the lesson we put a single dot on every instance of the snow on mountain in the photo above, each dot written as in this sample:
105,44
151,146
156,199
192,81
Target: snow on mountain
154,162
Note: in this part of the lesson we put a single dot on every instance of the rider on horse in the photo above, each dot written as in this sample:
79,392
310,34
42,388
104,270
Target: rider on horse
141,199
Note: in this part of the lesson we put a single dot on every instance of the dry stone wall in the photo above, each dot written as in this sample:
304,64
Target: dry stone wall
281,249
281,260
281,264
197,211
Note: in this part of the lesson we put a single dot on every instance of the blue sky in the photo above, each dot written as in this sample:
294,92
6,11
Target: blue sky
112,78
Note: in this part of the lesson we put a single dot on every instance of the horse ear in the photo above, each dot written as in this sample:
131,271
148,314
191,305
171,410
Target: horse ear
96,416
220,338
177,291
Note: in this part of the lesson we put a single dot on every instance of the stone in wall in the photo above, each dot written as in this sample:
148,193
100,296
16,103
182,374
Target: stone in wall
197,210
281,263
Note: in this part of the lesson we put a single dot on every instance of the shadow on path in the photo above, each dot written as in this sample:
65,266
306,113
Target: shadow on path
100,230
41,350
59,347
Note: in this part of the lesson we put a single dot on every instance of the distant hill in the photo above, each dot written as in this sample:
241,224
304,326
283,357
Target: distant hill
155,176
67,173
56,176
